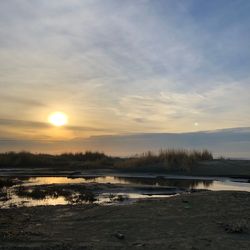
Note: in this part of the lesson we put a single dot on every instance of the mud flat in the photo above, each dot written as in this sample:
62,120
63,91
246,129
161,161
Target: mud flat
206,220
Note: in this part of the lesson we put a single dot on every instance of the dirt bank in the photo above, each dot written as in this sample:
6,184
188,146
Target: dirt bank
214,168
207,220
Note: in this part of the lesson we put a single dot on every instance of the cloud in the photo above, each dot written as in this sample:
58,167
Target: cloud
37,125
126,65
228,103
229,143
21,123
89,40
17,100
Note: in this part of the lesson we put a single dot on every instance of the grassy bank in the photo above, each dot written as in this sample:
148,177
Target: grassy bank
192,162
168,159
27,159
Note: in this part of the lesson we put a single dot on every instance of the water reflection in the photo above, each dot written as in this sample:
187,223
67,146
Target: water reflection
36,191
158,181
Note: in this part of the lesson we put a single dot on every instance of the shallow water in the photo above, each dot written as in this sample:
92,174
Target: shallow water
143,187
214,185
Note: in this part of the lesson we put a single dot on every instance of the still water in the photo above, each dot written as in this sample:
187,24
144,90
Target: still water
113,190
203,183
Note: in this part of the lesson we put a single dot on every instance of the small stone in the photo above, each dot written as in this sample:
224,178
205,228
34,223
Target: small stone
138,244
119,236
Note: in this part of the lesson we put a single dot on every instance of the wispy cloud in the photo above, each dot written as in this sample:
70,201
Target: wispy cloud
37,125
24,101
21,123
126,65
171,110
229,143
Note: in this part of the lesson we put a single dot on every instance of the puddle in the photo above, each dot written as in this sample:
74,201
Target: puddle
36,191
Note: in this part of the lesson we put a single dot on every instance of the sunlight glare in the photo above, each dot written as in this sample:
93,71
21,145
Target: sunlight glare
58,119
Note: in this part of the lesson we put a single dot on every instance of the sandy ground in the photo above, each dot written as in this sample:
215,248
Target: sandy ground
196,221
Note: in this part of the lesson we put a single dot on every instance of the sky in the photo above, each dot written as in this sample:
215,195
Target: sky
120,67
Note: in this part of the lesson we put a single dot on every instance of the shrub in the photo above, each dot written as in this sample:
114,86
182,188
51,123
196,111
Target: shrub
171,159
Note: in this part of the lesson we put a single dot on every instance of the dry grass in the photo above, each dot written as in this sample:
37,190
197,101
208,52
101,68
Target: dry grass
170,159
27,159
182,160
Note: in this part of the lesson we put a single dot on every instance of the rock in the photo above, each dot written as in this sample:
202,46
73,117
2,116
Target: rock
138,244
119,236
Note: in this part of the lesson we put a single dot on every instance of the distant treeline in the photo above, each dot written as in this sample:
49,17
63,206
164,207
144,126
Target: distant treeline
166,159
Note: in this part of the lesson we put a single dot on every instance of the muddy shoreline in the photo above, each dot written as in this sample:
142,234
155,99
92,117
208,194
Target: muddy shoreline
190,221
214,168
237,173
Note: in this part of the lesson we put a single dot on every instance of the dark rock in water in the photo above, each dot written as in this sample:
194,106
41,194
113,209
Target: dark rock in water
119,236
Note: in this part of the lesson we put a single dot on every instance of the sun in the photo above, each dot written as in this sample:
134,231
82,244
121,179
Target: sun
58,119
